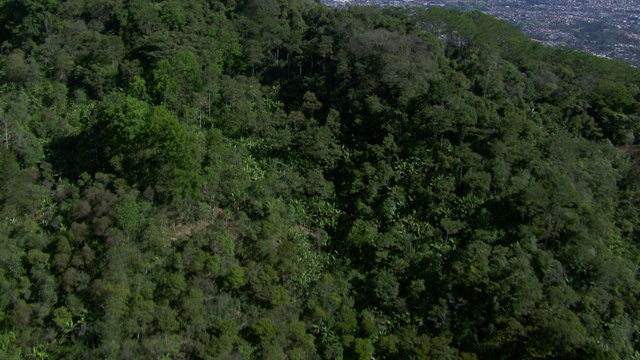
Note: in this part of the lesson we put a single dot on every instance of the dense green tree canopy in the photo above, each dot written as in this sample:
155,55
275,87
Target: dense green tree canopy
275,179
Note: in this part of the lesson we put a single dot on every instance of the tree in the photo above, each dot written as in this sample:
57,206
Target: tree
148,146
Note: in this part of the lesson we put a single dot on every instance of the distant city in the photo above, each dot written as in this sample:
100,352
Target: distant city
607,28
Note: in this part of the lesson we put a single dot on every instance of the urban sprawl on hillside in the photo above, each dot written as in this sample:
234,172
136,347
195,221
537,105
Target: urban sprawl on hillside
607,28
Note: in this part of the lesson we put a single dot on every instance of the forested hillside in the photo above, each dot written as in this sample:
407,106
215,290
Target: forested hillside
271,179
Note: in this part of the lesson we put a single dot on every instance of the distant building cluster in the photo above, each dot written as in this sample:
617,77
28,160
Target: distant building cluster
608,28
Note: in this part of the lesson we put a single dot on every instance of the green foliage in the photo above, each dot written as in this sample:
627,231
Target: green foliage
276,179
148,146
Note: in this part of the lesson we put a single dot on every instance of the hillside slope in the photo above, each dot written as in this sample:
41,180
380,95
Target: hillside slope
276,179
